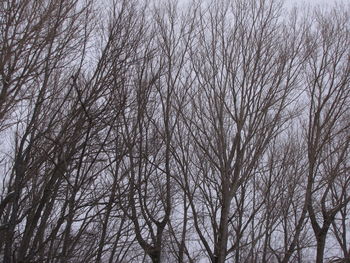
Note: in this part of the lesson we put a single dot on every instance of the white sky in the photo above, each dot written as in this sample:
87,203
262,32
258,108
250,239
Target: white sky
316,2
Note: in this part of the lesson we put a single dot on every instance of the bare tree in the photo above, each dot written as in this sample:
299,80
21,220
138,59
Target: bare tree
327,78
244,80
173,132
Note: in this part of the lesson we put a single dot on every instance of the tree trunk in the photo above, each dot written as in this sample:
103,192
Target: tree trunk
321,241
155,255
221,245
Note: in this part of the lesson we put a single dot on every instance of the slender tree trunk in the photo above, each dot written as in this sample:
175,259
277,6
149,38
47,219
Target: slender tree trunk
321,242
9,236
184,229
106,220
155,255
221,247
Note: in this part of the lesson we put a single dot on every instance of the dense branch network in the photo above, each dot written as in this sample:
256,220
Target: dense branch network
214,131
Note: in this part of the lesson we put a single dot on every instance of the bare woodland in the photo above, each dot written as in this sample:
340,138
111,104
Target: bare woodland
134,131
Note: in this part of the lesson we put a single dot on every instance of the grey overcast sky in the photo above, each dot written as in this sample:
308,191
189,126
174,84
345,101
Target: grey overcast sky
322,3
317,2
